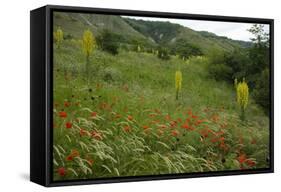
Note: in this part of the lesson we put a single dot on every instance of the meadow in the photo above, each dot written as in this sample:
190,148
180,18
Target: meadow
125,121
125,107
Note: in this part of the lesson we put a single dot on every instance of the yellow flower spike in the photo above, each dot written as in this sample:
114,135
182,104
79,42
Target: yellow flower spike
178,82
242,92
88,42
58,37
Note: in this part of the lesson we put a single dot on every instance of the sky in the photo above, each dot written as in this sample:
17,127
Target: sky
232,30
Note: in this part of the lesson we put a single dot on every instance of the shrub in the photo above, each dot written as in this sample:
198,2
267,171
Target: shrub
186,50
163,53
220,71
108,41
261,92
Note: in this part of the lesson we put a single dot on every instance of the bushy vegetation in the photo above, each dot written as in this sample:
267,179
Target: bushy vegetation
251,63
163,53
108,42
185,50
139,113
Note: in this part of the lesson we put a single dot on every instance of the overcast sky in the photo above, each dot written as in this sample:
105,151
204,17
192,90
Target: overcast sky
233,30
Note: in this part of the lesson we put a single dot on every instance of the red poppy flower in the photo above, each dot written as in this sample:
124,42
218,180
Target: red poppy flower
94,114
90,161
75,153
198,122
127,128
66,104
242,158
250,163
130,118
145,127
62,114
221,139
175,133
185,126
214,140
194,116
61,171
69,158
223,146
168,117
68,125
83,132
96,135
179,120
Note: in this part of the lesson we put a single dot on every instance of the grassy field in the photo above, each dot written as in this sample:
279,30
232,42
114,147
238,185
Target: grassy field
125,120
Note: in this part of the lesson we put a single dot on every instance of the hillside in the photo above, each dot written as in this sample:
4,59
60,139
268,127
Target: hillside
147,33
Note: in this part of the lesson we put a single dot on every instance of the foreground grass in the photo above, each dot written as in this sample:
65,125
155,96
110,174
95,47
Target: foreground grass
124,120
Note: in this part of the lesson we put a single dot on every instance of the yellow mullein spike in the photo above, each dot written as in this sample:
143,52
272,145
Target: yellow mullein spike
242,94
58,36
178,82
88,42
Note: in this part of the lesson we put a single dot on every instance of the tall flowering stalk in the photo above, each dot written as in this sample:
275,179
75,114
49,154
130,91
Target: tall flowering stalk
242,92
88,44
178,83
58,37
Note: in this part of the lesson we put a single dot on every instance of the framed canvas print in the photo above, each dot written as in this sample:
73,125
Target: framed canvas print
122,95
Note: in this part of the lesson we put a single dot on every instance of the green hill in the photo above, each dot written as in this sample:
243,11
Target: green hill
147,33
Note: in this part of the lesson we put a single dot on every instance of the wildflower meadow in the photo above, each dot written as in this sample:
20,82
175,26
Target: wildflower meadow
126,107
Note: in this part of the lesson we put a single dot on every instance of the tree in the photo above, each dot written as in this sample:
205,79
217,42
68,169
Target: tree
261,37
185,50
108,42
88,44
259,57
261,92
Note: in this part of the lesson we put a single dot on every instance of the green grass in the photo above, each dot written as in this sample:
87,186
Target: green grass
125,120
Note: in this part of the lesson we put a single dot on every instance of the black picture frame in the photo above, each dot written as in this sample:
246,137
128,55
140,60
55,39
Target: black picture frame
41,55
